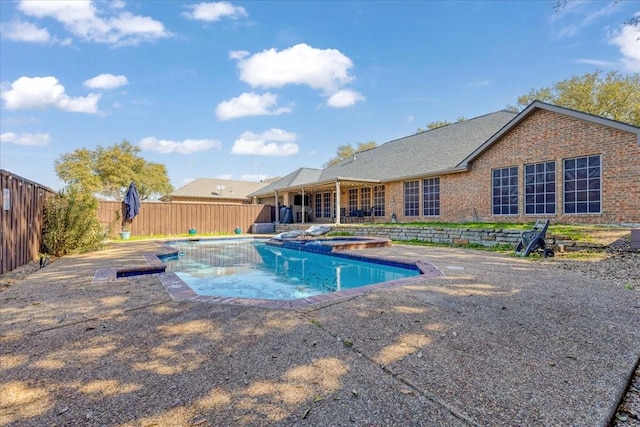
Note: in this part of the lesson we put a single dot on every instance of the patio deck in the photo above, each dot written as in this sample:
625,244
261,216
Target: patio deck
496,340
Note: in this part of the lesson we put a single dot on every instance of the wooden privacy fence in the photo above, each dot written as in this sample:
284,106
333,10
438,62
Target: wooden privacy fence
21,219
164,218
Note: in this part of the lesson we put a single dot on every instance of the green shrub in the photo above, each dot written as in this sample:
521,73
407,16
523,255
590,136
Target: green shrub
339,234
71,223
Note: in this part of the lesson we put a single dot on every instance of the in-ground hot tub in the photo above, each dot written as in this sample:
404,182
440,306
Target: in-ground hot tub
330,244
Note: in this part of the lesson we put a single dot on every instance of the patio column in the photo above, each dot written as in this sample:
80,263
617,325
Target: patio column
303,208
337,202
277,209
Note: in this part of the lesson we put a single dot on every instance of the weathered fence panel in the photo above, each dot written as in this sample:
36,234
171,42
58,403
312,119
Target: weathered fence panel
21,219
166,218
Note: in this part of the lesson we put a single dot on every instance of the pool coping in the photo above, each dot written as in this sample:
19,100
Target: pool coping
178,290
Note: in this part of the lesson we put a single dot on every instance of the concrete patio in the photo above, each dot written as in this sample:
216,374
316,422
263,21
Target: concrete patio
494,341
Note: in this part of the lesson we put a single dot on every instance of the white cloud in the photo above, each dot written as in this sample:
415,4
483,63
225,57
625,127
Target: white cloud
578,15
596,62
226,176
215,11
19,121
106,81
250,104
238,54
31,139
323,69
410,119
85,20
627,40
344,98
274,142
39,93
25,32
188,146
480,83
117,4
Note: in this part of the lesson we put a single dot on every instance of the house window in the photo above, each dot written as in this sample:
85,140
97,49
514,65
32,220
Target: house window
412,198
582,185
378,200
353,199
326,205
431,197
365,198
505,191
318,205
540,188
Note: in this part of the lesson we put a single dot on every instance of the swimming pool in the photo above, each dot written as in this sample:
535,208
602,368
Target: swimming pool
249,268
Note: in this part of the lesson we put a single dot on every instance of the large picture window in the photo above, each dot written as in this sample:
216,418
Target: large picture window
540,188
583,185
318,205
431,197
412,198
504,186
365,198
326,205
378,200
353,199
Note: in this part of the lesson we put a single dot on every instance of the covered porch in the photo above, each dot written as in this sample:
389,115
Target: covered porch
338,201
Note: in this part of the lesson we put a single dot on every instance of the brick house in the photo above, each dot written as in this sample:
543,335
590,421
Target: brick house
545,162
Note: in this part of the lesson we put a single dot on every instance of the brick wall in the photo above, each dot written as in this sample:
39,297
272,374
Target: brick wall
542,136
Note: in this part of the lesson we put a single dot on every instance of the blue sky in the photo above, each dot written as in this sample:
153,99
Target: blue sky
251,90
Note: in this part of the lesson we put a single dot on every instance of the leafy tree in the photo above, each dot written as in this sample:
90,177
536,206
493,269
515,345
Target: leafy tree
347,150
71,223
612,96
109,171
439,123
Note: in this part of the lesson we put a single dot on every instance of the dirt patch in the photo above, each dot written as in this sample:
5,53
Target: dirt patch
22,272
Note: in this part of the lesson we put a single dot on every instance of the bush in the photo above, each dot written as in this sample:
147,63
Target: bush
71,223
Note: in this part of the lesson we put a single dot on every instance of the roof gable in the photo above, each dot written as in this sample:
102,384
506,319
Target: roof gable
296,178
539,105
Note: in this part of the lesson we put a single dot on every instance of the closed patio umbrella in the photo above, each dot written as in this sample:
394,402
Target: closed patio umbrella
131,203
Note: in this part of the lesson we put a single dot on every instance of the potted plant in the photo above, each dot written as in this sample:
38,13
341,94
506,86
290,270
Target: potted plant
125,232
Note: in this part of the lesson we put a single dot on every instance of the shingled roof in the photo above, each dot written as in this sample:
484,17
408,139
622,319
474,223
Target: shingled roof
297,178
425,153
212,188
432,152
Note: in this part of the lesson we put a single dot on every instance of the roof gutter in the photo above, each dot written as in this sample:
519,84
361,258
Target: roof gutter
448,171
323,183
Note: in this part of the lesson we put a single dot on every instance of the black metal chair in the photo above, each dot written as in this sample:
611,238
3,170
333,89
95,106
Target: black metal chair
354,215
367,213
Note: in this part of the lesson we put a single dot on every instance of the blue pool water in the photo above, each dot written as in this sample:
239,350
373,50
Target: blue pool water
252,269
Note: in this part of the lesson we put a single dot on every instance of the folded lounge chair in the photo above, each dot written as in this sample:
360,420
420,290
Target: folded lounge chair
314,230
